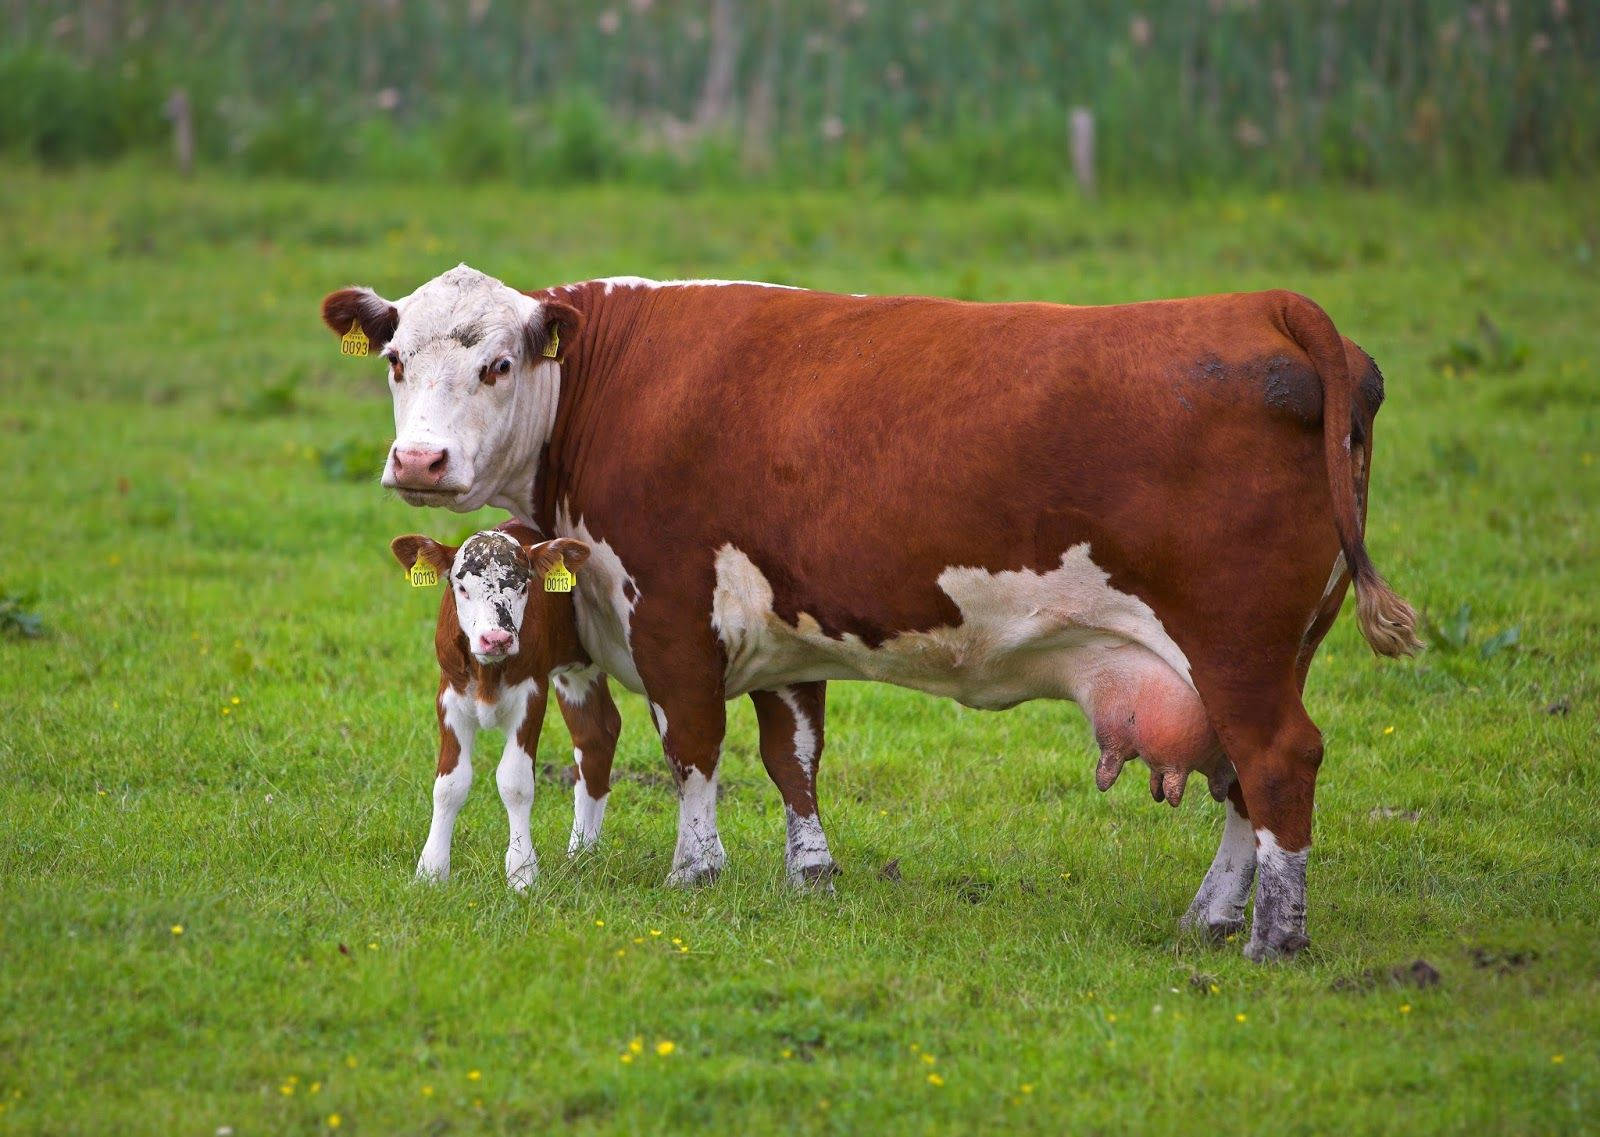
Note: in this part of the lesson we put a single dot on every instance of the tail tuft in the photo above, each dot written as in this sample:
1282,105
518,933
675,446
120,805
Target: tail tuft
1387,621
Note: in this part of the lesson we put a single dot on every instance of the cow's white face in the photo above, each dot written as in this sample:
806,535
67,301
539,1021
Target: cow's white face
474,395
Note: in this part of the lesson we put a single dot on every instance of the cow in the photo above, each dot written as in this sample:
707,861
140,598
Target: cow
499,640
1153,510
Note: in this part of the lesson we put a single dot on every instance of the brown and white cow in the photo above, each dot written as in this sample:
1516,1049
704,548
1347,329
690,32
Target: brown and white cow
1151,509
499,640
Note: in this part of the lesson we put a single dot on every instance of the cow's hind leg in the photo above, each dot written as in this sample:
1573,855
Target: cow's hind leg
791,748
1277,750
1218,907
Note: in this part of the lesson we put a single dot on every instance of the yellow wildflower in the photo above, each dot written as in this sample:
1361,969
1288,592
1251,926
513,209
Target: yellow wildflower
1239,1018
935,1080
474,1075
177,929
334,1121
665,1047
636,1044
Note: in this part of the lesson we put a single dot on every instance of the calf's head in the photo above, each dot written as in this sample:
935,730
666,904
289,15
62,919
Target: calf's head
488,579
475,372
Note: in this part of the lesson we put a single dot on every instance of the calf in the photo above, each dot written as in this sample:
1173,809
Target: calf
499,637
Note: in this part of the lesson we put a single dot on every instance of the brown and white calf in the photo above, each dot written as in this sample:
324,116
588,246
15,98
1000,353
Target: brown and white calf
499,640
1153,510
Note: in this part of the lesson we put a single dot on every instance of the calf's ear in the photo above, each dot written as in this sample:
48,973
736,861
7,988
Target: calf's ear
406,550
378,318
553,329
570,552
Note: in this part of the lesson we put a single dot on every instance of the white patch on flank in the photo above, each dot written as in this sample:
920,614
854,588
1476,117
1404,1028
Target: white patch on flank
1218,906
575,682
604,612
450,329
659,714
699,856
1023,635
1334,576
587,812
615,282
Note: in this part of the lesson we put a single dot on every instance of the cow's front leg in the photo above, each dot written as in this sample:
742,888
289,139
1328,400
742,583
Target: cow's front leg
1218,907
791,748
680,662
514,776
592,719
457,728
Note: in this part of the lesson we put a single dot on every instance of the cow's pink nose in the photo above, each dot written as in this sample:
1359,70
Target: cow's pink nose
419,469
494,641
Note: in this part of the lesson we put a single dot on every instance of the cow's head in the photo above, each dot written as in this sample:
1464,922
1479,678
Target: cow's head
489,577
475,371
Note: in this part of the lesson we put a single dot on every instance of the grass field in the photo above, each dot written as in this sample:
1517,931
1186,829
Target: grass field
216,761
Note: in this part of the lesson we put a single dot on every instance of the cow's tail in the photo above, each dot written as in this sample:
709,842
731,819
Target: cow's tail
1386,620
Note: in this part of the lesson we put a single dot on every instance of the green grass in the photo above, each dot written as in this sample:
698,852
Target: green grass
191,510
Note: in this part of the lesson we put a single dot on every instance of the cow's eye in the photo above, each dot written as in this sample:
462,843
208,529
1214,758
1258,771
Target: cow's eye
502,366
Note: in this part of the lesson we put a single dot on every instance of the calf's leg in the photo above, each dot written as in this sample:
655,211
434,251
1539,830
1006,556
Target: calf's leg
451,783
592,719
791,719
514,776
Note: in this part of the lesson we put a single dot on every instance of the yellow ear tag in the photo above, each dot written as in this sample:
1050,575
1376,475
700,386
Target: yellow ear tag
422,574
551,350
354,342
558,579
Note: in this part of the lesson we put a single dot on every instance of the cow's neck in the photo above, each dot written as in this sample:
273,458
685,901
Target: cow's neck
609,320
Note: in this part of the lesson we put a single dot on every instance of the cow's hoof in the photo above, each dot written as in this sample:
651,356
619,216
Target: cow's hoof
432,872
814,878
1215,931
694,875
1274,946
520,880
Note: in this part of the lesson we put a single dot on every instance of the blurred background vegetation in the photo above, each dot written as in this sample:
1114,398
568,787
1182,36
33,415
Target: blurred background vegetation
915,96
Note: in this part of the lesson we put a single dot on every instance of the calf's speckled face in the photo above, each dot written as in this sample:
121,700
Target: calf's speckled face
489,577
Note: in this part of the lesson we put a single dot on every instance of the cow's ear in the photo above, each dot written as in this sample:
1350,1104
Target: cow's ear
565,549
553,329
406,550
378,318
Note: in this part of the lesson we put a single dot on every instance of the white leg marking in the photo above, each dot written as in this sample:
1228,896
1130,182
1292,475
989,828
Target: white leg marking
1218,907
806,856
587,812
810,862
1279,927
660,715
449,790
515,778
699,856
